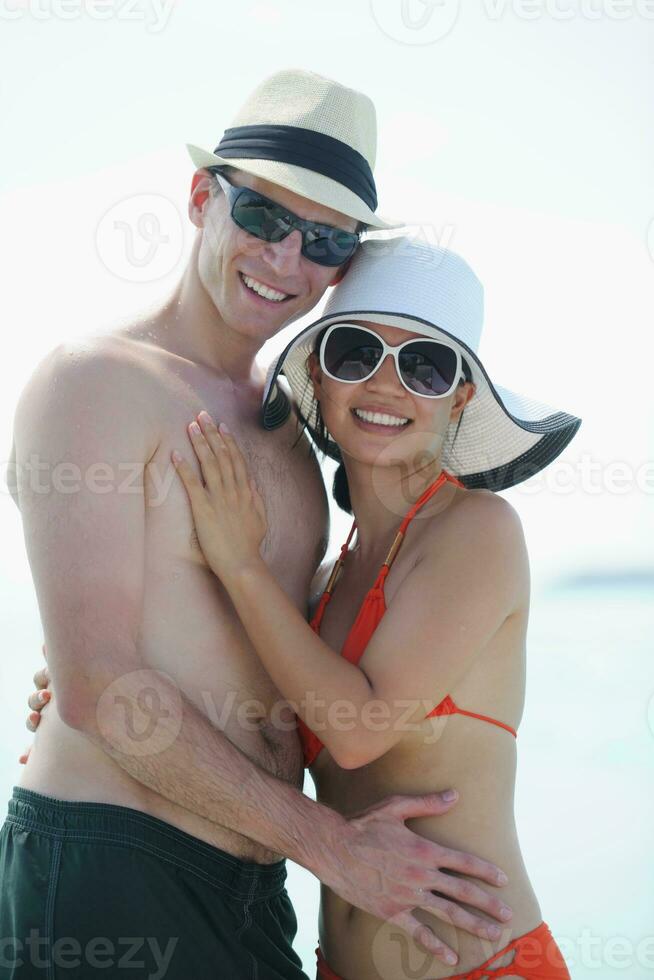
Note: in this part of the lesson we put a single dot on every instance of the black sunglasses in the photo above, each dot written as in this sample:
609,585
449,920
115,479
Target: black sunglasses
271,222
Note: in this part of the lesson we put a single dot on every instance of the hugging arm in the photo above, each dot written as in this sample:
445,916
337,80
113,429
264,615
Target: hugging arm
86,551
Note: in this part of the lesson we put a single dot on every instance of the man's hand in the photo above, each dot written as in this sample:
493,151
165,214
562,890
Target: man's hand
37,701
382,867
377,864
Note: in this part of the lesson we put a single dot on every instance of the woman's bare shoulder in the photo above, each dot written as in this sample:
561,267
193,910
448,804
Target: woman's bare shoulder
479,526
478,509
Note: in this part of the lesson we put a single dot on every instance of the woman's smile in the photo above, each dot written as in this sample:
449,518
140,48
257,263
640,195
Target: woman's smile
380,420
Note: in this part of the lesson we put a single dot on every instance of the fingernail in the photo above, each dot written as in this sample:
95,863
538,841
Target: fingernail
494,932
42,695
176,456
502,878
223,427
195,428
449,794
204,415
506,913
450,958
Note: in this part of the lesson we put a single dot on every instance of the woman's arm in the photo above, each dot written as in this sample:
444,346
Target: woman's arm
443,614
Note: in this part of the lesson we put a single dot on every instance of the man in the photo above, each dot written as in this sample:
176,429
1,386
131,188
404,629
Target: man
165,780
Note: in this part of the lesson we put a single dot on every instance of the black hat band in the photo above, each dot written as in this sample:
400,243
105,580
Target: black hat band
303,148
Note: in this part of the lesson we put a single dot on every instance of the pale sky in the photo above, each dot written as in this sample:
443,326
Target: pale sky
523,142
518,133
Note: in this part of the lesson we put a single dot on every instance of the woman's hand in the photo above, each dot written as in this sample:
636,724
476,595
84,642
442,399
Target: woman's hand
229,514
37,702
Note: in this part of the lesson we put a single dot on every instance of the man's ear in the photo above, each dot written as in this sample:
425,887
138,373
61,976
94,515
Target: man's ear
200,191
342,269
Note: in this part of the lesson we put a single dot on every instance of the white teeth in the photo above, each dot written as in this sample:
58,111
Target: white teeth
265,291
380,419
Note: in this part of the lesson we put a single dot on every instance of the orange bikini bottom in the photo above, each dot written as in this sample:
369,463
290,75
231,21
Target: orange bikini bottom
537,957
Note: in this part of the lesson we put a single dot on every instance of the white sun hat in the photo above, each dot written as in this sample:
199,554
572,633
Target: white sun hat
503,437
310,135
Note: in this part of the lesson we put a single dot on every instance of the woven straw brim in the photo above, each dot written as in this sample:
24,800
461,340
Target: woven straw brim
306,183
503,439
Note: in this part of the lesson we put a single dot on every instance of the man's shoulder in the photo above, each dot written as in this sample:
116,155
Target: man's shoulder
98,356
98,384
97,368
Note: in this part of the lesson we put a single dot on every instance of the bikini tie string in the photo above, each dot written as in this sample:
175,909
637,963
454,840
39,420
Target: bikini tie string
486,972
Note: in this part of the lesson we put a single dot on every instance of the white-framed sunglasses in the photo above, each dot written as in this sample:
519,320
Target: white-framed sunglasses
427,367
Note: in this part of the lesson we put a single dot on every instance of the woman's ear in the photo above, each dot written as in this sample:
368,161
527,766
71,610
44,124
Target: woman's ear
462,395
315,373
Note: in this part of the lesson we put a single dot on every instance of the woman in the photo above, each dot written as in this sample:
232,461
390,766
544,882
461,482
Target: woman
428,605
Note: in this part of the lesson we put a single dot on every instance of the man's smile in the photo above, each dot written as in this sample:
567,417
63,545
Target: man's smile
263,290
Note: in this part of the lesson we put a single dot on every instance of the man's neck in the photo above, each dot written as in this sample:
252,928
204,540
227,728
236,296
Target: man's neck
190,326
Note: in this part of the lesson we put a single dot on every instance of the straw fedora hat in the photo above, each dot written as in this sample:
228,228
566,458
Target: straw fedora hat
310,135
503,437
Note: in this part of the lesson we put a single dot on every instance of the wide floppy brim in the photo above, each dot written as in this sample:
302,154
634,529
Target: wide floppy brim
503,438
306,183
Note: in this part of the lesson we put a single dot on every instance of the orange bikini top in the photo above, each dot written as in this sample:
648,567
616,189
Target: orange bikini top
369,617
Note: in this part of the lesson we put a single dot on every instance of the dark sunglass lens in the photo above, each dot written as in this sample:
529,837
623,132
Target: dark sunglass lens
329,246
261,217
428,368
351,354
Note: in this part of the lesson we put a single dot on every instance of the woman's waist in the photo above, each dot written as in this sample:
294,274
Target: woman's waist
356,944
482,771
480,823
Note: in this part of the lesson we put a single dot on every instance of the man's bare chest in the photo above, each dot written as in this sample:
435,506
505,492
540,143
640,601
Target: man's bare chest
288,480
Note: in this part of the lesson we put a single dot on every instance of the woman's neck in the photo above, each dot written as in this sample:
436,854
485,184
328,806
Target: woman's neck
381,498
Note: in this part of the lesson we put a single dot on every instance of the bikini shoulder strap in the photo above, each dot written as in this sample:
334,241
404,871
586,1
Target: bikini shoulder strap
420,502
338,564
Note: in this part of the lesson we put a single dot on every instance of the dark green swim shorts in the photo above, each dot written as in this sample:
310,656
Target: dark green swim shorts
93,890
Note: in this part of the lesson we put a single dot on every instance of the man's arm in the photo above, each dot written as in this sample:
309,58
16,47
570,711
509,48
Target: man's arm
82,424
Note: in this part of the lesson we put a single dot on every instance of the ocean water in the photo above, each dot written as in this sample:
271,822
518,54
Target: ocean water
584,800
